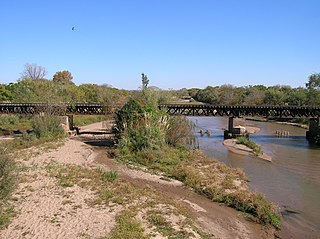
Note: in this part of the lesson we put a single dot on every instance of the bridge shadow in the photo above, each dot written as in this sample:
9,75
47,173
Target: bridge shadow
97,139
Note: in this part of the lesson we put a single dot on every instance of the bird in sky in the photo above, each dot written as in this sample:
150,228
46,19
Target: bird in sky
73,28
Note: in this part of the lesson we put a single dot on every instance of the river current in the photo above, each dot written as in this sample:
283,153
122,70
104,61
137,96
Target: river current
291,180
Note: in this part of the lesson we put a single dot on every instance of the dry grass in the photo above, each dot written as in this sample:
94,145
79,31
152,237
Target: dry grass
211,178
142,214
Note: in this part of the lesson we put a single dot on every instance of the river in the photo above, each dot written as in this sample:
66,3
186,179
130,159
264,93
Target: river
291,180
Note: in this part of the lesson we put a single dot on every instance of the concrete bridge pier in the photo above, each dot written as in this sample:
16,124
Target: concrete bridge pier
313,134
228,134
68,125
234,132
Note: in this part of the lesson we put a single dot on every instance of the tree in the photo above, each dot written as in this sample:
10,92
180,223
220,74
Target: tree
5,93
145,81
314,82
34,72
62,76
313,86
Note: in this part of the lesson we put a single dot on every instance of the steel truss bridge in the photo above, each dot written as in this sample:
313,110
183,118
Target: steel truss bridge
241,111
173,109
55,109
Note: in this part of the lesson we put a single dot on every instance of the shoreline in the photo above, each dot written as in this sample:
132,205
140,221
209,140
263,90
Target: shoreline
278,122
233,146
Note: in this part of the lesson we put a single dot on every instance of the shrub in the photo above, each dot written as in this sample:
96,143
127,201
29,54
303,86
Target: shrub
128,116
47,126
180,131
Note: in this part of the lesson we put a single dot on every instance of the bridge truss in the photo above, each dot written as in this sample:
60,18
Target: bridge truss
173,109
55,109
241,111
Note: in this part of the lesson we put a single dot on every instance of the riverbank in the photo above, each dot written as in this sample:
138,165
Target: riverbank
304,126
60,196
291,180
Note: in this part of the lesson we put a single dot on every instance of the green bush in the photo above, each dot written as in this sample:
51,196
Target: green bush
140,127
128,116
47,126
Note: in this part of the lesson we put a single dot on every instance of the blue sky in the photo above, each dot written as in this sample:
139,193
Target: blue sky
177,43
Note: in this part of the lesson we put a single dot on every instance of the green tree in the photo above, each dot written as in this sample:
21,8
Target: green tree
313,82
274,96
5,93
313,87
145,81
254,95
90,92
30,90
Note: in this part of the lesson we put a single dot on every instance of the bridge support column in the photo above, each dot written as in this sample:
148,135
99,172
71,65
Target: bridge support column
67,124
230,125
229,133
313,135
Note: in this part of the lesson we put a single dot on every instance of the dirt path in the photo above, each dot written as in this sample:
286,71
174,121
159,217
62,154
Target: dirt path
46,210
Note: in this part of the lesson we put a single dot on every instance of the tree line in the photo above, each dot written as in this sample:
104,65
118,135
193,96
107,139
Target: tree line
260,94
34,87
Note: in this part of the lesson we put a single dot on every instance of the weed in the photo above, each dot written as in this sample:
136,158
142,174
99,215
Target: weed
127,227
107,175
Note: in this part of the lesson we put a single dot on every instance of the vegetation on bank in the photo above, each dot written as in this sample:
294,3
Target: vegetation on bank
8,177
150,137
250,144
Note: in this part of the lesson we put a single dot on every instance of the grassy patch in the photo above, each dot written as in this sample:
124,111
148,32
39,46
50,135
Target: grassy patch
211,178
128,227
108,175
8,176
252,145
105,184
10,123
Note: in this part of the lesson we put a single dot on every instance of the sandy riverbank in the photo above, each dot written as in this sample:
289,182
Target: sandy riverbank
47,210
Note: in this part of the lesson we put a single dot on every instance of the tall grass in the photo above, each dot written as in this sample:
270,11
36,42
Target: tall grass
143,127
7,184
47,126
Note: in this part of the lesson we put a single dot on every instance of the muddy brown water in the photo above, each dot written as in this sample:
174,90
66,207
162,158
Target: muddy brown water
291,180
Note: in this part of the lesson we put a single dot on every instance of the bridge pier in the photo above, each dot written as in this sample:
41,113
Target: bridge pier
228,134
68,125
234,132
313,134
